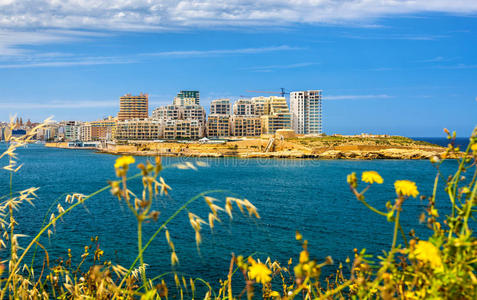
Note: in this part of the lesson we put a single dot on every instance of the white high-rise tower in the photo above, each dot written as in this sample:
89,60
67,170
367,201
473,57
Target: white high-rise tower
305,107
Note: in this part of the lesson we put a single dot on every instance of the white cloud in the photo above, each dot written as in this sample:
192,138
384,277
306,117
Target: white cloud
277,67
213,52
67,63
55,59
58,104
139,15
357,97
24,23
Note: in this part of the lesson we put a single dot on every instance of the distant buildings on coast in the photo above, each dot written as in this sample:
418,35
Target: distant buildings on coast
186,119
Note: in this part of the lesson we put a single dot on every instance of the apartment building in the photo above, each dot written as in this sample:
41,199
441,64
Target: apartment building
218,125
168,112
305,107
69,130
187,98
274,113
85,132
138,130
220,107
245,125
193,112
183,129
243,107
103,130
133,107
258,104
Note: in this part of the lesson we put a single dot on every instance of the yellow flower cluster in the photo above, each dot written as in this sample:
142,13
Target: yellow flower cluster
371,177
124,162
474,148
406,188
427,252
259,272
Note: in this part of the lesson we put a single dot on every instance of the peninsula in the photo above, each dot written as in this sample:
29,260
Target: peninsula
331,147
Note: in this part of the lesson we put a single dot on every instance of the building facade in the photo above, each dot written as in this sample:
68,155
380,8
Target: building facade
218,125
85,132
305,107
241,125
258,104
274,113
183,129
103,130
243,107
187,98
220,107
168,112
193,112
138,130
133,107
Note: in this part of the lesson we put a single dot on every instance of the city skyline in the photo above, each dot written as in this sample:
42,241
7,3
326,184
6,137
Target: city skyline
371,62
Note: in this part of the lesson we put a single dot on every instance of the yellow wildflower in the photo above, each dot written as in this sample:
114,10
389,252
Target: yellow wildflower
124,162
474,148
274,294
304,257
427,252
406,188
259,272
371,177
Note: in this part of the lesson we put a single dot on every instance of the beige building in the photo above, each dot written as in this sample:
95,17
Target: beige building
183,129
258,105
243,107
274,113
220,107
85,132
218,125
187,98
133,107
138,130
245,125
193,112
168,112
103,130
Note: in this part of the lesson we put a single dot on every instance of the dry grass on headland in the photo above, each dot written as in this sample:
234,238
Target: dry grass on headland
318,148
441,265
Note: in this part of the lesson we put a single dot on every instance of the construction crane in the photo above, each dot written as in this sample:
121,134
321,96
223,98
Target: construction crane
282,92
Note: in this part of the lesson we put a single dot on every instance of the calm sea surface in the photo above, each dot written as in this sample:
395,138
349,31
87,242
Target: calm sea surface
306,195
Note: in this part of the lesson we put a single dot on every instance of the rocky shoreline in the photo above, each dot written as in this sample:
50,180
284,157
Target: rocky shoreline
403,154
348,148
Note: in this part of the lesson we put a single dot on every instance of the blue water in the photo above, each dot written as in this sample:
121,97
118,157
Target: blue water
306,195
444,142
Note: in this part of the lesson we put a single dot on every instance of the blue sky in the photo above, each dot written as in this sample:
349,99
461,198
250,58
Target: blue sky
397,67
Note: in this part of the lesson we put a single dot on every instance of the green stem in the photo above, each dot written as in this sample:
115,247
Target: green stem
15,267
469,209
396,226
141,258
372,208
161,228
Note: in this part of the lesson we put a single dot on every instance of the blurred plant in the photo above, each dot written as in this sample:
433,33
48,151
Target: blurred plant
440,266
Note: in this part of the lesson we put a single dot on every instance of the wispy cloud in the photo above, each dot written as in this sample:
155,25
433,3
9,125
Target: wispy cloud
357,97
458,66
409,37
278,67
58,104
213,52
69,63
55,59
437,59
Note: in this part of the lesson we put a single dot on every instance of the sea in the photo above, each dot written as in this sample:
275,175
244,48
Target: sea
309,196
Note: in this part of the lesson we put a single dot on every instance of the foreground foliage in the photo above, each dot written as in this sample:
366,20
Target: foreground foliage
442,265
